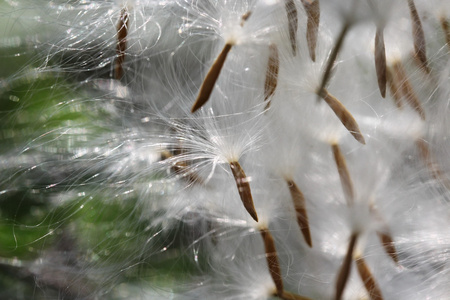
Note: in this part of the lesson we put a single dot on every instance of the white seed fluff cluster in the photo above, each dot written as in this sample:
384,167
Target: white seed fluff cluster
274,149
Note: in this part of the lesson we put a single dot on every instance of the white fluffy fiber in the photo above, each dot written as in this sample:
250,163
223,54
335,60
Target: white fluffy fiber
148,130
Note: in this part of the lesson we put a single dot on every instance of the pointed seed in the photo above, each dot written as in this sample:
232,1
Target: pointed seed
344,272
344,115
271,74
407,90
272,260
418,36
312,9
292,16
290,296
344,174
245,17
243,186
388,245
380,61
122,31
396,92
432,167
446,28
300,207
368,279
211,78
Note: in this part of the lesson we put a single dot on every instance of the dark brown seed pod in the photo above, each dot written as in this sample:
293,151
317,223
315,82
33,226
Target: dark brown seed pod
272,259
245,17
312,8
211,78
380,61
396,92
446,28
122,32
291,296
344,174
420,51
344,115
344,272
273,67
432,166
300,208
243,186
292,16
388,245
407,90
368,279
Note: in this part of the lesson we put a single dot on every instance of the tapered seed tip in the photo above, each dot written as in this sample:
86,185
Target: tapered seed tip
360,138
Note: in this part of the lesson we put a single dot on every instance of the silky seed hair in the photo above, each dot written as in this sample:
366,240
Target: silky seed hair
113,123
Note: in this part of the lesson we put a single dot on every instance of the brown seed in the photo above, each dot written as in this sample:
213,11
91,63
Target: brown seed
344,174
380,61
344,272
211,78
407,90
245,17
300,207
292,16
122,31
432,166
290,296
271,74
272,259
332,58
344,115
396,92
446,28
368,279
418,36
243,186
312,9
388,245
182,167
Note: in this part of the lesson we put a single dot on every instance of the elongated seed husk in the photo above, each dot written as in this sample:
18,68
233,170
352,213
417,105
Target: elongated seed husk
407,90
396,92
368,279
182,168
446,28
344,116
431,165
122,31
243,186
344,174
272,260
418,36
211,78
388,245
245,17
300,208
273,67
291,296
345,270
312,9
292,16
380,61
